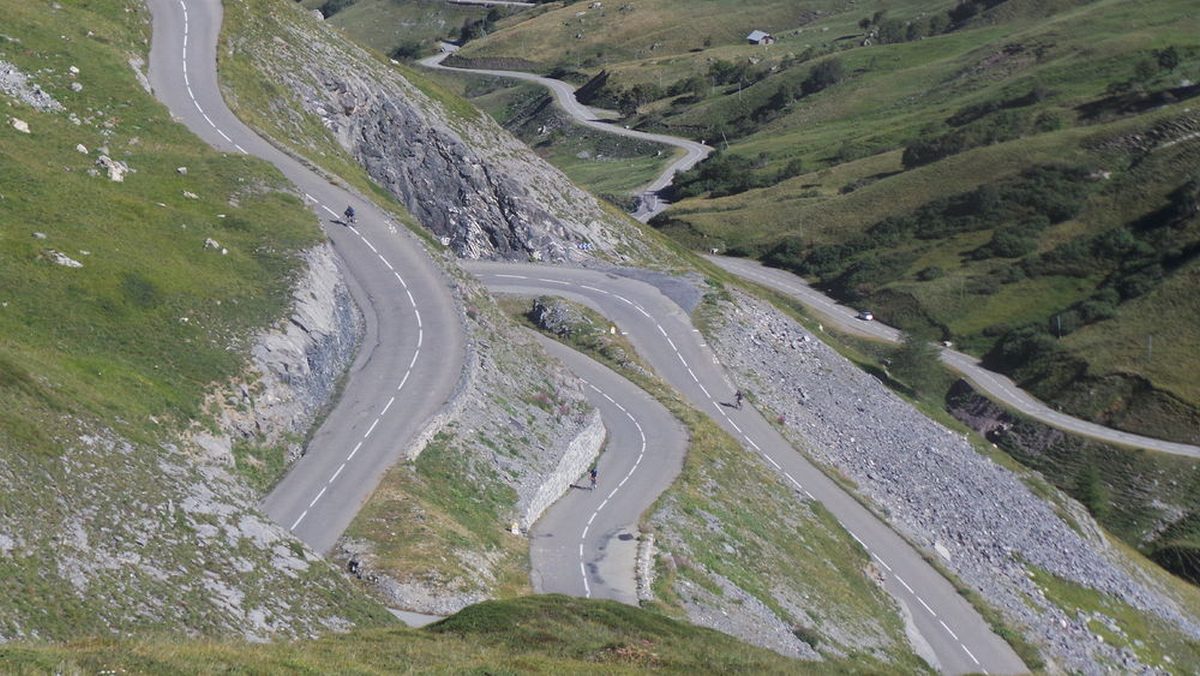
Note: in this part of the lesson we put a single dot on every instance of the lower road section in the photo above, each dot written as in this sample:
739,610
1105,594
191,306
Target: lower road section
663,334
586,544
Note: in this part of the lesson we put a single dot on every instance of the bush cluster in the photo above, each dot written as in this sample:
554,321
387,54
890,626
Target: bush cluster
723,174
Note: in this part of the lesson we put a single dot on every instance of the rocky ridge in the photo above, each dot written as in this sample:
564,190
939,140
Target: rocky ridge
462,176
935,488
120,536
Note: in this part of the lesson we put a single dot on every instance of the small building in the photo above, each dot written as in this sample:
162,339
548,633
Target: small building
760,38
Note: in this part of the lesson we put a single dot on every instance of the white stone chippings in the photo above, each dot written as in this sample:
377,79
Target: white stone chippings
16,85
937,489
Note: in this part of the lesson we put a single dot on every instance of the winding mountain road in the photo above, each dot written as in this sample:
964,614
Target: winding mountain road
663,334
586,543
994,385
412,353
400,377
649,204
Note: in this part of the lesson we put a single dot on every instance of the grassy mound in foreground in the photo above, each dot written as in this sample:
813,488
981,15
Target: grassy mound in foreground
538,633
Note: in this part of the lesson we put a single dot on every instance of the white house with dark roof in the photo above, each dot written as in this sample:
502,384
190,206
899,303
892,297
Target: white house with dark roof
760,38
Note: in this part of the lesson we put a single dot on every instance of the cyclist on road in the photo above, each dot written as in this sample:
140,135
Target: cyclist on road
593,475
349,214
737,399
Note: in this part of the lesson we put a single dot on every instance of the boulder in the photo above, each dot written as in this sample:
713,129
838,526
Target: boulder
116,169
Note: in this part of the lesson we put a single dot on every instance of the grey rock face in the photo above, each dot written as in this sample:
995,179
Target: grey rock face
462,176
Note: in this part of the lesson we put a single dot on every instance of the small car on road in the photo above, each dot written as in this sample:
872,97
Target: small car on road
866,315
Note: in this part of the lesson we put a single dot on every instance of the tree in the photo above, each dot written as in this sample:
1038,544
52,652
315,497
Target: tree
824,74
1168,59
915,363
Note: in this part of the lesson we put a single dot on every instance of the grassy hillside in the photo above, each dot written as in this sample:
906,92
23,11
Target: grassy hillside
550,634
1017,177
109,520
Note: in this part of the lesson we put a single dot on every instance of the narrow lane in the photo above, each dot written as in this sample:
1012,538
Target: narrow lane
413,350
663,334
564,95
994,385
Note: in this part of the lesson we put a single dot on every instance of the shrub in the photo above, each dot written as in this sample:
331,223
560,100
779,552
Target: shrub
930,273
822,76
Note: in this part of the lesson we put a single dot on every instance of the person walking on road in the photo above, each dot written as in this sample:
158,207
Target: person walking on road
592,475
737,399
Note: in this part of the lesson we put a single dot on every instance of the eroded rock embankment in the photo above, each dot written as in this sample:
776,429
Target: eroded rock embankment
294,367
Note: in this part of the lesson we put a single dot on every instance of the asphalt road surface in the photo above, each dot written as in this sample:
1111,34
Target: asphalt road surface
586,543
994,385
564,95
411,356
663,334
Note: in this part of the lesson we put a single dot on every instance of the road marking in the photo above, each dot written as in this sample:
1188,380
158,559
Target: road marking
881,562
351,456
926,605
297,522
371,429
314,500
335,474
965,649
948,630
901,580
860,542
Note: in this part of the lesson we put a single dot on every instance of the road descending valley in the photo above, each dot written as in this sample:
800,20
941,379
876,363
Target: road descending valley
663,334
412,353
649,203
992,384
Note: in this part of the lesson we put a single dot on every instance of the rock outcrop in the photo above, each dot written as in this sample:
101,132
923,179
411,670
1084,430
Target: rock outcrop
463,177
295,366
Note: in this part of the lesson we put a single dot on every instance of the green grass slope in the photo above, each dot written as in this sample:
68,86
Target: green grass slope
550,634
1017,177
106,520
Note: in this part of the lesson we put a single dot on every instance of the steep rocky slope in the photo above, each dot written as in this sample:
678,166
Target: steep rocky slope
1017,549
461,175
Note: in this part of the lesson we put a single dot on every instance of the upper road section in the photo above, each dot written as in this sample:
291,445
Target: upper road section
564,95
